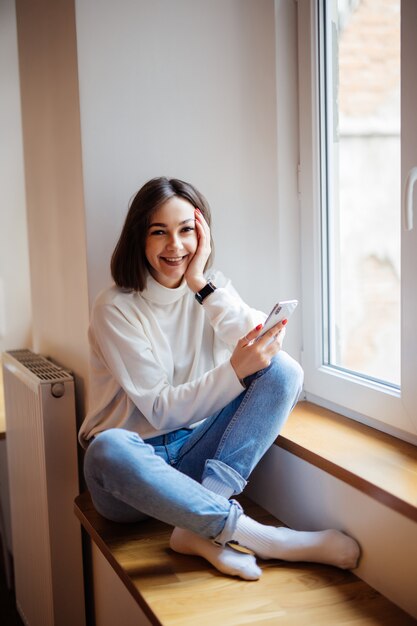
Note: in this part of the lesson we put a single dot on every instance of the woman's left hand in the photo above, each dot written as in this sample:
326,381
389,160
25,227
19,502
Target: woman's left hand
194,274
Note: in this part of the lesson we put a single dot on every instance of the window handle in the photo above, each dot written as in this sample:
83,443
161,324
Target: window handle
408,198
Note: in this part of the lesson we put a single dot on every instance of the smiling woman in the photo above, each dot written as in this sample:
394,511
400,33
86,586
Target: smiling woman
183,401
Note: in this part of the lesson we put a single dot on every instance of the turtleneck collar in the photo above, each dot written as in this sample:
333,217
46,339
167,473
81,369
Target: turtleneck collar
157,293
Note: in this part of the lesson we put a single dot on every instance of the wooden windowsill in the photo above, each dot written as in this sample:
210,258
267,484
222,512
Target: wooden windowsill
377,464
178,590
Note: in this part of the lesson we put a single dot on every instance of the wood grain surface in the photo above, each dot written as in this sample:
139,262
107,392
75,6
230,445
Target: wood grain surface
177,590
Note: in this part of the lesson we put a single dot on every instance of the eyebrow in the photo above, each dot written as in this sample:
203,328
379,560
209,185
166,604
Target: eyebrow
191,219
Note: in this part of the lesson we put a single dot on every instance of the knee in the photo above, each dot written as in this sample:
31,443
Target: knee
108,441
106,449
293,369
287,373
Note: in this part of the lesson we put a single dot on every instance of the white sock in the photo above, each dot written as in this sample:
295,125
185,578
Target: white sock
224,559
268,542
217,486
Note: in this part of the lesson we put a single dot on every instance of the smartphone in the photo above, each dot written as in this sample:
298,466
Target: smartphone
280,311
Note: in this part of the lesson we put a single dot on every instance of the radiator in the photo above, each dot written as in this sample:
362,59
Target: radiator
41,444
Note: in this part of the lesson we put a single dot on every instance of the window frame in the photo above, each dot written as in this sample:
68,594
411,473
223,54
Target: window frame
367,401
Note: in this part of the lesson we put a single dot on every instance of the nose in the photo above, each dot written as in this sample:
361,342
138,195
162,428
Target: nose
174,242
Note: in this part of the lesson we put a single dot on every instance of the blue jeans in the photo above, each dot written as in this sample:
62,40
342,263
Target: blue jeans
130,479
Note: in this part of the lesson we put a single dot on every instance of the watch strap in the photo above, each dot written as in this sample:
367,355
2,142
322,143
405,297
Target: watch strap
204,292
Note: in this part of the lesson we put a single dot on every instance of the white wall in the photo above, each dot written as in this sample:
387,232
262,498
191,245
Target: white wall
15,299
185,89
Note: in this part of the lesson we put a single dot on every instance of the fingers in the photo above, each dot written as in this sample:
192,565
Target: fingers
203,231
196,266
271,334
201,235
201,222
200,216
267,336
266,346
252,334
275,343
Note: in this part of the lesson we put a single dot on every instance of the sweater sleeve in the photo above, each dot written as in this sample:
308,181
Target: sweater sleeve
127,353
230,317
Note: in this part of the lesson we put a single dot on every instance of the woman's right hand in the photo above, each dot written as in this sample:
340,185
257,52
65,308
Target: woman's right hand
250,356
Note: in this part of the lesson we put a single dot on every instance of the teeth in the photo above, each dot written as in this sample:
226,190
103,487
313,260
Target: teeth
177,258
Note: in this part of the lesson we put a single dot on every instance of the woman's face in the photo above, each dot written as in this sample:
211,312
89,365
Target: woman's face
171,241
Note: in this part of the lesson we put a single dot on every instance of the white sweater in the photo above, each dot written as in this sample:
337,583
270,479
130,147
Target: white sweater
159,360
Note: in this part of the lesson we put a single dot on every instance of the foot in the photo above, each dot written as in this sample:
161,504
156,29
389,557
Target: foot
331,547
226,560
326,546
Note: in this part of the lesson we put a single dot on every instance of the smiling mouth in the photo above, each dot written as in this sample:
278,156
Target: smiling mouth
174,260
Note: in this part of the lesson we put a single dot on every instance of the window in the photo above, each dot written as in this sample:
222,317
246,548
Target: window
359,295
360,157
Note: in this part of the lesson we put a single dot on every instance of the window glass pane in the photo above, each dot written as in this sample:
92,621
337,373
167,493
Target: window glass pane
362,96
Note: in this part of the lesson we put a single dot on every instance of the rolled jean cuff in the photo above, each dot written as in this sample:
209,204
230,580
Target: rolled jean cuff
224,474
229,528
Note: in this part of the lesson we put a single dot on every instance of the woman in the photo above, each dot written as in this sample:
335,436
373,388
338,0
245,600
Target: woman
183,401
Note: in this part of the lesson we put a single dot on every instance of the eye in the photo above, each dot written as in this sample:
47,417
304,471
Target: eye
188,229
157,232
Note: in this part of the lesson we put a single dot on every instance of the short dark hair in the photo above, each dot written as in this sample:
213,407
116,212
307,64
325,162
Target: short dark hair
129,266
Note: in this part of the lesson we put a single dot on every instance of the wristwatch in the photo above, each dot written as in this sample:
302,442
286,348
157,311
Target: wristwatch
204,292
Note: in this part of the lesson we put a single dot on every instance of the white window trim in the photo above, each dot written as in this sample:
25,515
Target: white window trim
365,401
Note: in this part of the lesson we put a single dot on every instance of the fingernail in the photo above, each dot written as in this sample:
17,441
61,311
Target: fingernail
259,326
284,322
